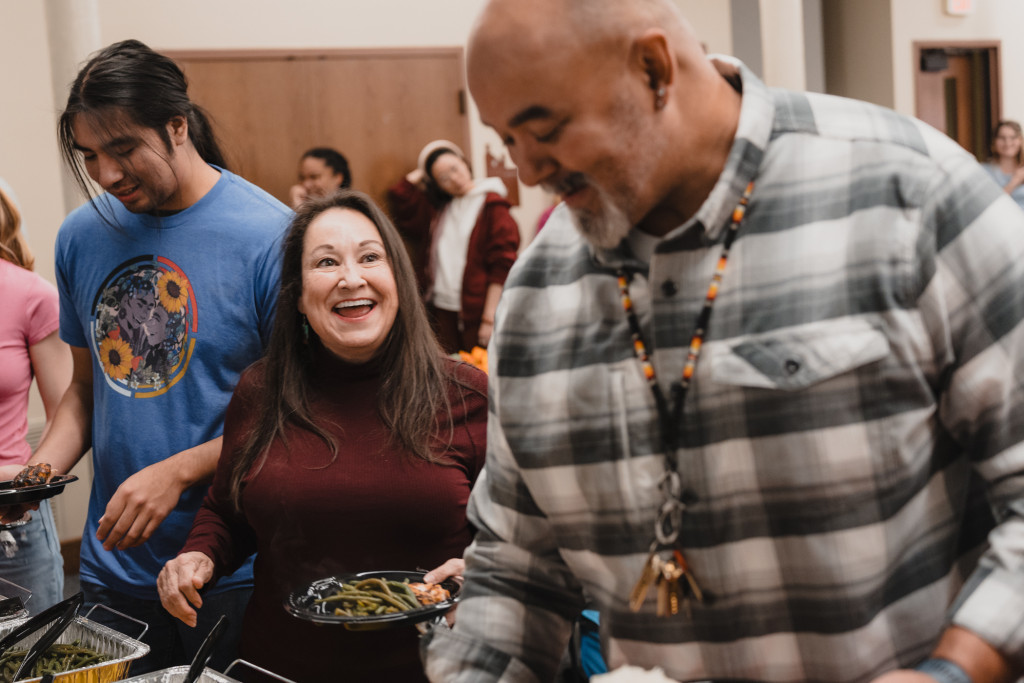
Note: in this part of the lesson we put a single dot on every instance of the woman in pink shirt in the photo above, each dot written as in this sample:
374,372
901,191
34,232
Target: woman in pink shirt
29,347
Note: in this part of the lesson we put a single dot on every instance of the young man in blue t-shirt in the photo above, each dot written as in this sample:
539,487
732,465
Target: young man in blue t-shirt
168,282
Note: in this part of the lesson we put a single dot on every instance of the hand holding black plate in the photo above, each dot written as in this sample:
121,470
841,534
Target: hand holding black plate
35,493
303,602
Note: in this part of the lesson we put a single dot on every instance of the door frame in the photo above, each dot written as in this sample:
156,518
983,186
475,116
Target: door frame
995,71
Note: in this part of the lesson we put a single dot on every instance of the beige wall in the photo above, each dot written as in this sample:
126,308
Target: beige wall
712,22
782,43
858,49
28,144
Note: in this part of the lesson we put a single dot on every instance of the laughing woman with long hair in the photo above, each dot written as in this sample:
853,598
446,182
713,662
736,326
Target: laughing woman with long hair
352,446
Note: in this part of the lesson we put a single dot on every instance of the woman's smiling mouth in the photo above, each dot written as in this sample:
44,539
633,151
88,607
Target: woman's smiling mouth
355,308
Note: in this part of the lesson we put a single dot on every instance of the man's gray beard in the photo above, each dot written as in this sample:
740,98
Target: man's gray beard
604,228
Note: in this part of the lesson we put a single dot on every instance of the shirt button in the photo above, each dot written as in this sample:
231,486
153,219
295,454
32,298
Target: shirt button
792,366
668,288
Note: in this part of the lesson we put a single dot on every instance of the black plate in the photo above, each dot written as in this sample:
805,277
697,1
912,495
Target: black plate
33,494
302,603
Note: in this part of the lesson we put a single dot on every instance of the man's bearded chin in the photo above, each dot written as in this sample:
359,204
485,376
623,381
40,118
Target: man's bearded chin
604,227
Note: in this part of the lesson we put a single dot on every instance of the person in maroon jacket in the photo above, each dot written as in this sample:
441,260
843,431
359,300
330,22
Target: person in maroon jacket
471,237
352,446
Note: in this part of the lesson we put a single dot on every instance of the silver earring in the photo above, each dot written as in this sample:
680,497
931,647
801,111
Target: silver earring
659,97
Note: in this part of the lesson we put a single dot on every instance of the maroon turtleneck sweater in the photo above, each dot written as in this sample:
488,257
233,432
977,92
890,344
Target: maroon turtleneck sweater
307,517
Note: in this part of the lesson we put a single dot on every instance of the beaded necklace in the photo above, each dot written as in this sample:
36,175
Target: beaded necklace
667,526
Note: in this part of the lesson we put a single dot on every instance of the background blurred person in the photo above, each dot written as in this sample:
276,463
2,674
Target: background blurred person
29,347
471,241
1007,163
322,170
352,446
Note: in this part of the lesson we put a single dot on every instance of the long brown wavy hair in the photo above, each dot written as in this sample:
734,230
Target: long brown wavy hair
414,387
13,246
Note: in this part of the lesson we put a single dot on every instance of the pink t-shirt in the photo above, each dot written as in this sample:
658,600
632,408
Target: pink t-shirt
29,312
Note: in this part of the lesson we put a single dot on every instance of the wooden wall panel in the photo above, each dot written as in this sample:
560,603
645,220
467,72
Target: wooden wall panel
377,107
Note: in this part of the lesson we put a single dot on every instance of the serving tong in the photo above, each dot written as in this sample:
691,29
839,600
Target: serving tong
205,651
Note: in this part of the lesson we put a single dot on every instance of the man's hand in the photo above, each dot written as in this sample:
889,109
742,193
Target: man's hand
139,505
452,569
179,583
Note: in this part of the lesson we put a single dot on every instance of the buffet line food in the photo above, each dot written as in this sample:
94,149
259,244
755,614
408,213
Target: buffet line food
57,659
376,596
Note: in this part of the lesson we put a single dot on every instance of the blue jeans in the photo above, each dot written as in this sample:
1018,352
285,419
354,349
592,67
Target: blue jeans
171,642
35,562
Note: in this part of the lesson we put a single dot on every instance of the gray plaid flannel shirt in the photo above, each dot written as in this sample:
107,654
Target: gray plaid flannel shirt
852,437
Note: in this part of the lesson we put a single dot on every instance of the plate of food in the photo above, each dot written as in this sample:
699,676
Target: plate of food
374,600
33,484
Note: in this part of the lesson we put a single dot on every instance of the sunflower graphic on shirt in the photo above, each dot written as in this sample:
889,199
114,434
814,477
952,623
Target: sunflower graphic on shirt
144,326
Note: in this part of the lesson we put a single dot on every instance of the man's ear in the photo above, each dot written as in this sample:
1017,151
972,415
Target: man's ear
177,129
653,58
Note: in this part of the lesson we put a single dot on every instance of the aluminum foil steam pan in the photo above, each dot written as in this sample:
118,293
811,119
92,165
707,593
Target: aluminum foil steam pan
121,649
176,674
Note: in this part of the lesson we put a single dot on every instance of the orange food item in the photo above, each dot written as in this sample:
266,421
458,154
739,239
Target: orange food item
429,593
477,357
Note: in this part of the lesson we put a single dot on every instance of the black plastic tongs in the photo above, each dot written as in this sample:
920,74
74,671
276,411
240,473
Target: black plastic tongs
205,651
60,616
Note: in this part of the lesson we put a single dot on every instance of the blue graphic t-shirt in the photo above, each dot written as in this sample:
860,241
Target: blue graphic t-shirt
172,309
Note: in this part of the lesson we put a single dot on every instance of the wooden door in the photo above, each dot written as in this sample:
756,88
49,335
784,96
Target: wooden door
957,88
377,107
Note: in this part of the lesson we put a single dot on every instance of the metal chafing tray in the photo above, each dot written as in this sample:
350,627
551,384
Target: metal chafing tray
121,649
176,674
12,601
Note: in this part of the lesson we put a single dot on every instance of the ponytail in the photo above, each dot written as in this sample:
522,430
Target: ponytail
200,131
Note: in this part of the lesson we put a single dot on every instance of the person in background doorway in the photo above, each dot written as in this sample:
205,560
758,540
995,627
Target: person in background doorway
472,241
1007,163
322,170
30,347
351,447
176,247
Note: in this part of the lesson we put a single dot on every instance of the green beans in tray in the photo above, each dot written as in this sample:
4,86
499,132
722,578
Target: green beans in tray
57,659
370,597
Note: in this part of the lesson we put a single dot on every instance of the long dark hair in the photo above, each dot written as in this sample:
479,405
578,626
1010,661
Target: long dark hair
128,79
414,387
334,160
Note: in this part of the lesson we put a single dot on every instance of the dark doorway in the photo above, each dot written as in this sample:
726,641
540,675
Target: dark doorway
957,88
